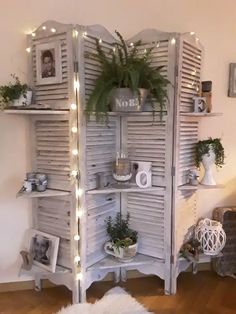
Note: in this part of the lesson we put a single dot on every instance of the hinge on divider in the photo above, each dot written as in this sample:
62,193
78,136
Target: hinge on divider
173,171
176,71
76,66
172,259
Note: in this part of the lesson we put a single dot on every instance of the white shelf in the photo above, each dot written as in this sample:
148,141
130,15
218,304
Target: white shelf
35,111
47,193
187,187
124,190
36,270
201,115
112,262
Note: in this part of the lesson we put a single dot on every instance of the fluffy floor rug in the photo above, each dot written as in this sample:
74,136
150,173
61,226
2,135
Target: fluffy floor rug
115,301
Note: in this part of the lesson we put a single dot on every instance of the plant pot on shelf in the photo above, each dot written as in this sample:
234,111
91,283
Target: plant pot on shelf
125,254
125,100
208,160
23,100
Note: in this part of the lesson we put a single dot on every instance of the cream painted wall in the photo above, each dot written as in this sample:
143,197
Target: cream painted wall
212,20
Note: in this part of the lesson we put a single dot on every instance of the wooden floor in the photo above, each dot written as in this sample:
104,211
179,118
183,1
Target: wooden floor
204,293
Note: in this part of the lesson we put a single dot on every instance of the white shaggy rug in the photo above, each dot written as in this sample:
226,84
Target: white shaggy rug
115,301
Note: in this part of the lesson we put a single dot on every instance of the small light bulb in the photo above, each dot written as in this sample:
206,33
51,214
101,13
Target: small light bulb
79,276
100,40
33,34
199,57
192,33
158,45
76,237
131,44
84,34
73,106
74,173
53,30
28,49
74,129
77,259
114,49
75,152
76,84
79,192
173,41
79,212
44,28
145,50
75,33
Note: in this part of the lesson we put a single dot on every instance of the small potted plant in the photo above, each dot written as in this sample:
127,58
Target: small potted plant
122,240
209,152
126,78
15,94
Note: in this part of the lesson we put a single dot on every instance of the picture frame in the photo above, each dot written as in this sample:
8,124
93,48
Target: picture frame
44,249
48,63
232,80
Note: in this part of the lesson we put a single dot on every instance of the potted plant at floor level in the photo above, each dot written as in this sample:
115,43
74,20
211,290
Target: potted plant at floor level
126,78
209,152
122,240
15,94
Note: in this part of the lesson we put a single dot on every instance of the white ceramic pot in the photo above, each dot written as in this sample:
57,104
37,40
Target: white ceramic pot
122,254
208,160
23,101
125,100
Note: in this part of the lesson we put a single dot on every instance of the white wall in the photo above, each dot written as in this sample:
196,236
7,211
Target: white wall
212,20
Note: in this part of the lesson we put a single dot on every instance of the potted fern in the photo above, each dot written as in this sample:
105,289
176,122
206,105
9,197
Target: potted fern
126,78
122,240
15,94
209,152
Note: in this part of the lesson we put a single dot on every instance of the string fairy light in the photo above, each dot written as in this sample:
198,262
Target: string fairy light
75,152
28,49
74,129
73,106
79,276
33,34
173,41
77,259
44,28
76,84
76,237
53,30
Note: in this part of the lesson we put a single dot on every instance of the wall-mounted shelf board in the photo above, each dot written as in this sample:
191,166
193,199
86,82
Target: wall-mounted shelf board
187,187
111,262
47,193
35,111
124,190
40,271
201,115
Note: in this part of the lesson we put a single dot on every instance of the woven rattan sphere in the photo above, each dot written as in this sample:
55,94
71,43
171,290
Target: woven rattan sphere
211,235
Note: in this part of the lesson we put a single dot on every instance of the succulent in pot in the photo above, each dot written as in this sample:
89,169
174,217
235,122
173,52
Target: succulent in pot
122,239
209,152
126,78
15,94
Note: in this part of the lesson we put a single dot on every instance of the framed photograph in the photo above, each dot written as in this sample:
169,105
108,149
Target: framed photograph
232,80
48,63
44,249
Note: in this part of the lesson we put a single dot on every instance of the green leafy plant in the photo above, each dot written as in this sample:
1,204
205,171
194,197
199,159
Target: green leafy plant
119,231
203,147
125,67
12,91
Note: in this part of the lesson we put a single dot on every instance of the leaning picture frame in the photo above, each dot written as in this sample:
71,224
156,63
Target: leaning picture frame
232,80
48,63
43,247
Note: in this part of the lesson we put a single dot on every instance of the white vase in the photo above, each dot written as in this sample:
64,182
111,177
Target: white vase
208,160
23,101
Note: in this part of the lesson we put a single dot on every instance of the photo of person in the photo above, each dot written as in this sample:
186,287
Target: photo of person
48,63
41,249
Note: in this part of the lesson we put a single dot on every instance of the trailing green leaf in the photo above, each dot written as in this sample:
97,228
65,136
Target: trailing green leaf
203,147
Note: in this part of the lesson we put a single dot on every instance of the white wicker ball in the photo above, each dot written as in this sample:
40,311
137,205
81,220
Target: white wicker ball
211,236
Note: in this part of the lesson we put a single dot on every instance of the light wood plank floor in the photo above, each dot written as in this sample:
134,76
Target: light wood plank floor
204,293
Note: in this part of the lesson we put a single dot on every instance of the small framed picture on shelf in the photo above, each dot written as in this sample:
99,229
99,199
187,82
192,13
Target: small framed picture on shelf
44,249
48,63
232,80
